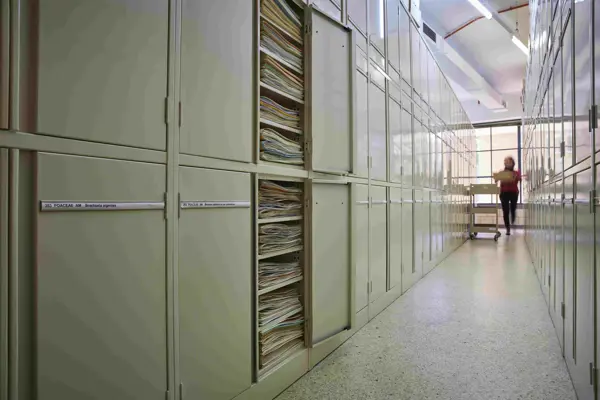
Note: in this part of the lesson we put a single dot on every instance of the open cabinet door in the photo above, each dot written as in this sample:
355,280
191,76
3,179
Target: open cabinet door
330,81
330,254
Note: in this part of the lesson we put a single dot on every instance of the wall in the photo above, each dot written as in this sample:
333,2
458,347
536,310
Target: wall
139,143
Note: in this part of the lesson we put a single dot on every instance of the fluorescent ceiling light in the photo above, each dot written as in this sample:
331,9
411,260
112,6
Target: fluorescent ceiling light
481,8
381,22
520,45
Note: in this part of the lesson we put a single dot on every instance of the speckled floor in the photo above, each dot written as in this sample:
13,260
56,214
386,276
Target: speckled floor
475,328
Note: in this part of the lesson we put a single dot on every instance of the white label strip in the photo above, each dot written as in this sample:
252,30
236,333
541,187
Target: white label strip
379,202
362,202
215,204
99,206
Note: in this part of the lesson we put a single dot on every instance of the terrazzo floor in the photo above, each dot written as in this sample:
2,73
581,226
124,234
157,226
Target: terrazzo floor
475,328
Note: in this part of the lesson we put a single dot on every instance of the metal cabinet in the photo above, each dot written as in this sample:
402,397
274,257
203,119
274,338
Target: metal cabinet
396,244
330,265
361,246
214,283
94,60
101,279
583,299
218,69
378,248
330,76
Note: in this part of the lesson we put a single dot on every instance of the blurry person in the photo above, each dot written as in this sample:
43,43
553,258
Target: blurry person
509,191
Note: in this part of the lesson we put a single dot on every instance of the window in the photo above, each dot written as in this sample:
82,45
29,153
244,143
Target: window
504,137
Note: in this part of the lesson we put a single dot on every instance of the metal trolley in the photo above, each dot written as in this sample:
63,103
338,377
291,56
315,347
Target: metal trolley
474,210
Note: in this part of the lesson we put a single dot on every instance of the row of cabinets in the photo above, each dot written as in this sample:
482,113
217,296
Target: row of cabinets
105,307
563,237
123,58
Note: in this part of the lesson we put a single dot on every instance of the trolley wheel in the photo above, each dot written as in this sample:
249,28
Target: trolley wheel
496,237
475,234
472,236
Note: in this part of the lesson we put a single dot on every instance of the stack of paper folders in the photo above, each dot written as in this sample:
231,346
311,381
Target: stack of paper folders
274,41
281,325
278,237
276,200
271,274
277,76
282,14
275,147
272,111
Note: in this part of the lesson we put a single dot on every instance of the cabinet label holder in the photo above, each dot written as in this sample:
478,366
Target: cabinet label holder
214,204
100,206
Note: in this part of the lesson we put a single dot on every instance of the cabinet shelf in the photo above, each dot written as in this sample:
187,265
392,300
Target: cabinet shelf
281,60
280,252
272,90
279,285
280,126
280,219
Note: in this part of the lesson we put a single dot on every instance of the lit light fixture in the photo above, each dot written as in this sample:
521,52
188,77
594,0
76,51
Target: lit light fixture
520,45
481,8
381,22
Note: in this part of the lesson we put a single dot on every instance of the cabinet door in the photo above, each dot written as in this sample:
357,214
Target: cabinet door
569,254
419,231
102,71
361,235
559,275
361,150
220,70
330,260
583,300
101,280
395,242
331,76
215,281
582,19
427,236
377,132
409,272
395,150
378,253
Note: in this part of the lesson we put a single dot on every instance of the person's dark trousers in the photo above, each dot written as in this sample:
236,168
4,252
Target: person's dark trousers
509,207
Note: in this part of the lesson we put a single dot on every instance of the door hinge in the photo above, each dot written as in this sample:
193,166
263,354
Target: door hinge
178,205
549,280
592,375
181,394
167,113
370,162
179,115
562,149
562,310
593,201
167,397
307,147
308,29
165,200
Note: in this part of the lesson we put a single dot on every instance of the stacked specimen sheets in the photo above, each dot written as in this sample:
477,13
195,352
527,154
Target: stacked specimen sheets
282,14
272,111
277,76
275,147
273,40
278,237
274,273
276,200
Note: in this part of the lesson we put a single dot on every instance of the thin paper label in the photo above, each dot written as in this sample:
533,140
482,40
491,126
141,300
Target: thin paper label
98,206
215,204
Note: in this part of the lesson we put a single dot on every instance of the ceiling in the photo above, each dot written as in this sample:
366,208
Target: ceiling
481,62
